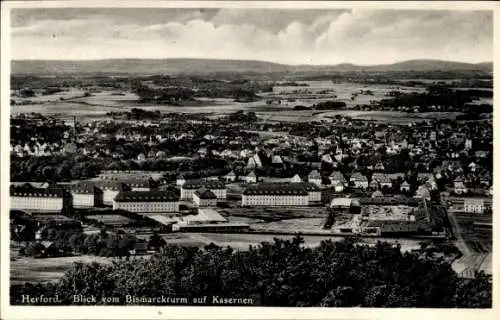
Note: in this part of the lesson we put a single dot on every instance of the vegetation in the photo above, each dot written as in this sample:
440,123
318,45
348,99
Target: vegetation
283,273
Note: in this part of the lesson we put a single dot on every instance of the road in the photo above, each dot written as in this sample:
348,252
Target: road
455,227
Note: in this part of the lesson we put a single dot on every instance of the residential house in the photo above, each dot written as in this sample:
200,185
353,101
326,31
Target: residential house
405,187
359,181
314,177
251,177
230,177
337,177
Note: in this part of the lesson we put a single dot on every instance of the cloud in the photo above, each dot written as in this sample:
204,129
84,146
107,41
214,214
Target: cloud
285,36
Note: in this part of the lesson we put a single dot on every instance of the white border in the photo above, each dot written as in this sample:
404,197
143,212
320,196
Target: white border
143,312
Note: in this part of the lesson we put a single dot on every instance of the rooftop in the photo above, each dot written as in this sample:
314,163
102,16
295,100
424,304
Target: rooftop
146,196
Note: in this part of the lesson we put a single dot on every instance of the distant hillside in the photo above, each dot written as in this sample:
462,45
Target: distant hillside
206,66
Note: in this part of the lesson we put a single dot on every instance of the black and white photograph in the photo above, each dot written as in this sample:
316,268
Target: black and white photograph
249,154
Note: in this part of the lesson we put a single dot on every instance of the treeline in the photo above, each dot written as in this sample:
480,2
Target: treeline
449,99
72,242
55,168
283,273
137,114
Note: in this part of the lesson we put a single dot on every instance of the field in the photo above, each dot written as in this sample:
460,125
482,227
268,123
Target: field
97,105
49,269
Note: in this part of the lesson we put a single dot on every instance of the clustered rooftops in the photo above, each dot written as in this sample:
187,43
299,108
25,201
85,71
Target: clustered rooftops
280,189
209,184
146,196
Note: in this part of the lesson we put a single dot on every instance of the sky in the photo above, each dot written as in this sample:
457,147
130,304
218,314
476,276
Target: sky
288,36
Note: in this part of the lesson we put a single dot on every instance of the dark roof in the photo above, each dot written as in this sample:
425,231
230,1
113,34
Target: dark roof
29,191
109,185
209,184
205,194
281,188
146,196
83,187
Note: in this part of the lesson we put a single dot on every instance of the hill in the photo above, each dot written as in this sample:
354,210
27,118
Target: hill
209,66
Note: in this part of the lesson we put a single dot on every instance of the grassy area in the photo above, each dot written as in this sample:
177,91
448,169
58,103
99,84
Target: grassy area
277,214
48,269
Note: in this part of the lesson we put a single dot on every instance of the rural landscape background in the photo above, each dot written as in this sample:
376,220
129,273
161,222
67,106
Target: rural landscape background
393,137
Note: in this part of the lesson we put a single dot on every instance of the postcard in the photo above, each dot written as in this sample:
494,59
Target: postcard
246,159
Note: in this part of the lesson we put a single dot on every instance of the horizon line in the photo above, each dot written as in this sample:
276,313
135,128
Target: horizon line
256,60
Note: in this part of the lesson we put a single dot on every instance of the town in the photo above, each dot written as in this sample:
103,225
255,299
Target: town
188,178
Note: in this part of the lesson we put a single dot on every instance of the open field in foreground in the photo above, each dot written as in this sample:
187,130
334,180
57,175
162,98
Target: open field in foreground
49,269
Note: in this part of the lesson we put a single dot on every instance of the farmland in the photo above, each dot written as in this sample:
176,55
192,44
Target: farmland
73,102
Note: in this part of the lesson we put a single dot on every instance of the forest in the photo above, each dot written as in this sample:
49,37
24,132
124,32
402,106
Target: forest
283,273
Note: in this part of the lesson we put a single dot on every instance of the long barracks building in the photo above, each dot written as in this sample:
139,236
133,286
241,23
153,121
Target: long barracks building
147,201
281,194
51,199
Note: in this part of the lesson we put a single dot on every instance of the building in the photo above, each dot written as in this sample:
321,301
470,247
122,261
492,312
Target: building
110,189
279,194
204,198
146,201
314,177
180,180
382,180
230,177
337,177
27,197
86,195
472,205
405,187
217,187
459,187
251,177
359,181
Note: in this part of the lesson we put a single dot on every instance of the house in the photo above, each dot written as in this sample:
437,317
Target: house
314,177
382,179
251,177
277,160
405,187
459,186
341,203
230,177
296,178
337,177
472,167
180,180
423,193
379,166
359,181
377,194
204,198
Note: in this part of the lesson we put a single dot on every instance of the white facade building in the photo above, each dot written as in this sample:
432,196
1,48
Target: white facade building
217,187
37,199
146,201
